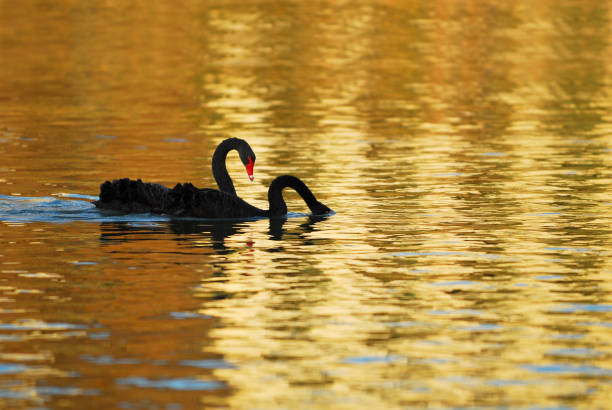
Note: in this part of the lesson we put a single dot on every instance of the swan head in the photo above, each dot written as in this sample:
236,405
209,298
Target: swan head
320,209
247,156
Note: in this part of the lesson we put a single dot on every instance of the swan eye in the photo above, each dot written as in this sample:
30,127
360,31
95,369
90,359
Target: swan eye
249,168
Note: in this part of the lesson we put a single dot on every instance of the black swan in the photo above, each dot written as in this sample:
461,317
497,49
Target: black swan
188,201
152,196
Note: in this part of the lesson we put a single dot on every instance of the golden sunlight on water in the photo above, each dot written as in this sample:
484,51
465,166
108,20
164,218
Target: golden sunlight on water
464,146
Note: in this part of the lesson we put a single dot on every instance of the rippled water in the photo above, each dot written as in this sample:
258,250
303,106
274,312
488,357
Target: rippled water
464,146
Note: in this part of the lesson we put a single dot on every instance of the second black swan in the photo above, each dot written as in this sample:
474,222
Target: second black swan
186,200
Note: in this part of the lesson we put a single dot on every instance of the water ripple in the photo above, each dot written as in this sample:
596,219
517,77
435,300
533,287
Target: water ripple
172,384
568,369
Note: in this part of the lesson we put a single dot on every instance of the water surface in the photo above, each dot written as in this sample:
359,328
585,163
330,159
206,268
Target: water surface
466,150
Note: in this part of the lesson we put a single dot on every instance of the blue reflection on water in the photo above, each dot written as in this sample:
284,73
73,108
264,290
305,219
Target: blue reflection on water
371,359
404,324
189,315
172,384
46,391
66,391
568,336
549,277
602,324
455,283
38,325
208,364
13,394
502,383
569,249
579,352
108,360
99,335
17,209
568,369
11,368
584,307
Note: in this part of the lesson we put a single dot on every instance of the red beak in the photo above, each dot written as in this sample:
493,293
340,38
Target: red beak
249,169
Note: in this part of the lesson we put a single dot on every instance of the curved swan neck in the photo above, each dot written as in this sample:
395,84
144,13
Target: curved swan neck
278,205
218,164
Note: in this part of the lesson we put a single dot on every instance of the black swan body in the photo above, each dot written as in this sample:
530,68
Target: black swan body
188,201
127,196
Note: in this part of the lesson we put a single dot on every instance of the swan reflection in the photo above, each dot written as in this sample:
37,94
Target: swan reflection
199,233
277,232
185,231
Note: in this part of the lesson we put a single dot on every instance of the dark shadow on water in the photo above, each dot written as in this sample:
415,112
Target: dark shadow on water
116,231
217,231
183,230
189,230
277,231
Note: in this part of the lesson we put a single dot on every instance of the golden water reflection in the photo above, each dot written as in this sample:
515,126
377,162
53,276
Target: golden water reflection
465,148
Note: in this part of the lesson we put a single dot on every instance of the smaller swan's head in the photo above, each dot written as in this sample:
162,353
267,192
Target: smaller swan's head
247,156
320,209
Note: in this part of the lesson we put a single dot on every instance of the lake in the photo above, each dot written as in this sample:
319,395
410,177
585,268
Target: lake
465,147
